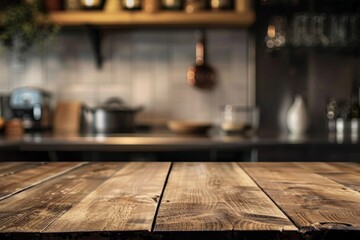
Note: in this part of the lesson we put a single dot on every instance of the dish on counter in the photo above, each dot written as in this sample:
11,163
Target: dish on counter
238,119
188,127
235,127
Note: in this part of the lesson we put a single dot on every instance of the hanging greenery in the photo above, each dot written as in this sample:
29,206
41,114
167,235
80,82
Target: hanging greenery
21,28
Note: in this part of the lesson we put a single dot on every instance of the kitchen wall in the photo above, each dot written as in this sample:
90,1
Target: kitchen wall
144,67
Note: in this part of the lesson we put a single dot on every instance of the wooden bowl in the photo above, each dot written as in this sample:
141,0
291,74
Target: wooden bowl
188,127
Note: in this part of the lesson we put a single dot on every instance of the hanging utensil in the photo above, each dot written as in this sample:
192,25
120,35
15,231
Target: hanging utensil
201,75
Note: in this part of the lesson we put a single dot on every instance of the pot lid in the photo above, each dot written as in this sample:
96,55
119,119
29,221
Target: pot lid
117,104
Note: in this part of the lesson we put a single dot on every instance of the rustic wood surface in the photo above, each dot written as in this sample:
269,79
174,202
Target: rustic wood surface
126,202
33,210
138,200
13,167
162,18
323,167
216,196
347,174
19,181
311,200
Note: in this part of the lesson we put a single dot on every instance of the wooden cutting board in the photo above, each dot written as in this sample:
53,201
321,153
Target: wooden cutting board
67,117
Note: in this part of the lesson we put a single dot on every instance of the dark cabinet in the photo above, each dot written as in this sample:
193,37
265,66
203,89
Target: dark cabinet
309,153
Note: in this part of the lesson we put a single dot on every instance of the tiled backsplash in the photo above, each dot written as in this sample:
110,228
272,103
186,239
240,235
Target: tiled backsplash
144,67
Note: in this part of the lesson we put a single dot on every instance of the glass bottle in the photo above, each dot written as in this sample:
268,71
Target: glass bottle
355,108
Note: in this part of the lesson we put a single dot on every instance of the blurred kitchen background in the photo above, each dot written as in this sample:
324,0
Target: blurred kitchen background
286,82
143,67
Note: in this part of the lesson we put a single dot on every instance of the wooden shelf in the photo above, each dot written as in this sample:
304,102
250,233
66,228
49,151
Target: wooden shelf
93,21
160,19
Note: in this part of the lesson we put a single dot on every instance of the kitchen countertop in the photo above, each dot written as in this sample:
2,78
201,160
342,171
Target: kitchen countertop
163,140
183,200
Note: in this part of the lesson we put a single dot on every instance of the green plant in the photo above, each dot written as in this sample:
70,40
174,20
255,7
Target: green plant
21,28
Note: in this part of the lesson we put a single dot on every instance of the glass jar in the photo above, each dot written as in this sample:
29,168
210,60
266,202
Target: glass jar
72,5
237,119
194,5
132,4
92,4
221,4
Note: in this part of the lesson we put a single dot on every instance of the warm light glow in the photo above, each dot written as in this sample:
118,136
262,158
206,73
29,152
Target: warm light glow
89,3
191,76
170,2
271,31
130,3
215,3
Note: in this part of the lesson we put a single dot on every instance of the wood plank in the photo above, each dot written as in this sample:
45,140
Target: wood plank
348,179
12,184
351,166
163,18
7,168
333,167
31,211
6,165
312,201
125,202
216,197
344,173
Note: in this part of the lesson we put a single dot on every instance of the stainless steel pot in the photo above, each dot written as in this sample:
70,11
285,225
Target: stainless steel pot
111,117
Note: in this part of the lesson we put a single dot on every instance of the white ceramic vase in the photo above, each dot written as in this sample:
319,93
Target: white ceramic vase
297,119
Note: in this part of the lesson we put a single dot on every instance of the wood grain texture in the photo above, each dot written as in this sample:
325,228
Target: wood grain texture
164,18
334,167
19,181
352,166
7,168
216,197
125,202
312,201
348,179
34,209
347,174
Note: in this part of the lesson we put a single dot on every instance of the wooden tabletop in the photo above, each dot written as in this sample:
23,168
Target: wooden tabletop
148,200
